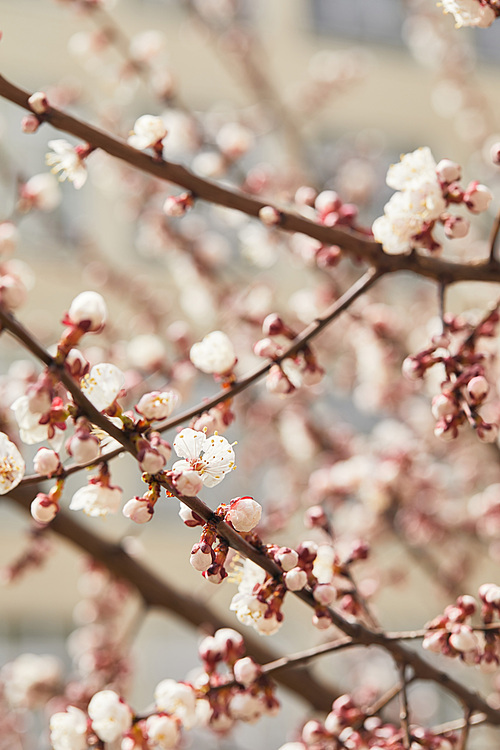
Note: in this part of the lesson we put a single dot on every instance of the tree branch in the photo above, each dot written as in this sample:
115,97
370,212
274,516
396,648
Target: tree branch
354,244
156,592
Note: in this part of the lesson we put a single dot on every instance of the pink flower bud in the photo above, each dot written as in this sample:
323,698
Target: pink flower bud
327,201
443,405
277,381
463,639
38,102
305,196
161,445
46,462
202,556
83,447
435,640
490,593
152,461
307,551
13,292
43,508
467,604
456,227
234,140
477,198
188,483
325,593
30,124
273,325
448,171
246,671
477,388
76,364
88,310
157,405
295,579
188,517
287,558
321,621
178,205
267,348
313,732
244,513
9,236
138,510
411,368
487,433
495,153
269,216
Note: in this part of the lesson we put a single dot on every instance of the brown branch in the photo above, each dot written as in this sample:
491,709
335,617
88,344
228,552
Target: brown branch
353,243
156,592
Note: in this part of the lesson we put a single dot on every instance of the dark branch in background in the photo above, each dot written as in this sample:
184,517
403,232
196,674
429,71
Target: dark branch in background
354,244
156,592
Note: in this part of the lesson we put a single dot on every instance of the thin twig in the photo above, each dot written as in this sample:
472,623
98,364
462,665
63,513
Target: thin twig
495,229
404,711
464,736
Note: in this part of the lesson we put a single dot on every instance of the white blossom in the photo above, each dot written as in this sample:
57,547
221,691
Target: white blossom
157,405
469,12
96,500
88,307
110,716
420,203
68,730
177,698
30,679
66,160
163,732
148,131
214,354
103,384
246,707
250,610
12,465
42,191
211,457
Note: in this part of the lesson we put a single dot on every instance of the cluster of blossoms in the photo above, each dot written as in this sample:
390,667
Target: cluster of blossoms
348,726
209,554
480,13
299,369
465,386
452,634
260,596
215,699
425,191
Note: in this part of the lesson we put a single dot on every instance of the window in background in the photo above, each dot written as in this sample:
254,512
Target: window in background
358,19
